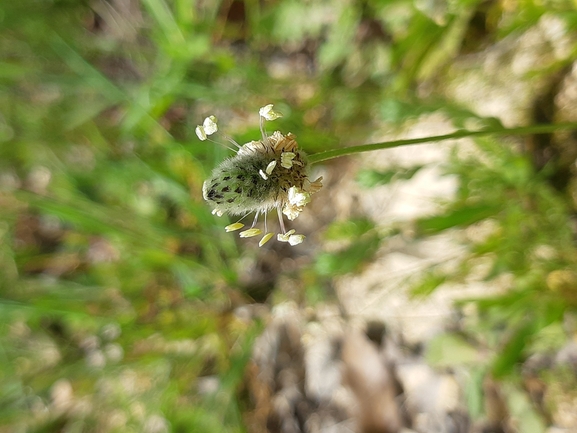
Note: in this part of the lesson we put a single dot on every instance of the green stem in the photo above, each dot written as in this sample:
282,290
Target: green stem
521,130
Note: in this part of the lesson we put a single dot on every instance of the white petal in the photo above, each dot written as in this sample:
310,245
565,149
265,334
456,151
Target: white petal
297,197
200,133
209,125
296,239
291,211
285,238
268,113
264,176
270,167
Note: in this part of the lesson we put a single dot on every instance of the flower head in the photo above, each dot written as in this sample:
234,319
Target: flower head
268,174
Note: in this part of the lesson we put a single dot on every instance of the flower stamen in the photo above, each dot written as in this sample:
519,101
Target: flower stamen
265,239
286,159
280,219
234,227
209,127
250,233
255,220
296,239
285,236
268,113
270,167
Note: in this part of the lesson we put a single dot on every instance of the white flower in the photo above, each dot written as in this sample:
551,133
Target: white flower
296,239
208,127
200,133
285,238
286,159
268,113
291,211
298,197
297,200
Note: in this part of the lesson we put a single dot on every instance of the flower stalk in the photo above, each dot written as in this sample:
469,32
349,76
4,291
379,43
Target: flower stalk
272,173
462,133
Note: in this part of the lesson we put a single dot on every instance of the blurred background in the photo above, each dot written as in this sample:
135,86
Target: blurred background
436,290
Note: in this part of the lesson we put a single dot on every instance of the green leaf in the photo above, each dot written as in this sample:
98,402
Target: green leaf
459,217
510,355
474,393
522,410
428,283
448,350
348,229
370,178
348,260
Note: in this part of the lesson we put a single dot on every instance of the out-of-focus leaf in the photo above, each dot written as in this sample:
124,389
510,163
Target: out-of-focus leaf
296,20
349,229
474,393
550,338
447,46
461,216
523,410
428,283
340,40
348,260
370,178
448,349
511,353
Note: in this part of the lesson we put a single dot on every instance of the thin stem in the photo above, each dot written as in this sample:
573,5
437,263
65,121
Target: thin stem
262,131
521,130
255,219
280,219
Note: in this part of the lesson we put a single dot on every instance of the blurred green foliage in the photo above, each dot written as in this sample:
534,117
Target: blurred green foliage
118,286
372,178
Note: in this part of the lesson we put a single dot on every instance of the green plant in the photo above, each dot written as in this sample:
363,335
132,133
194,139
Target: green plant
118,287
